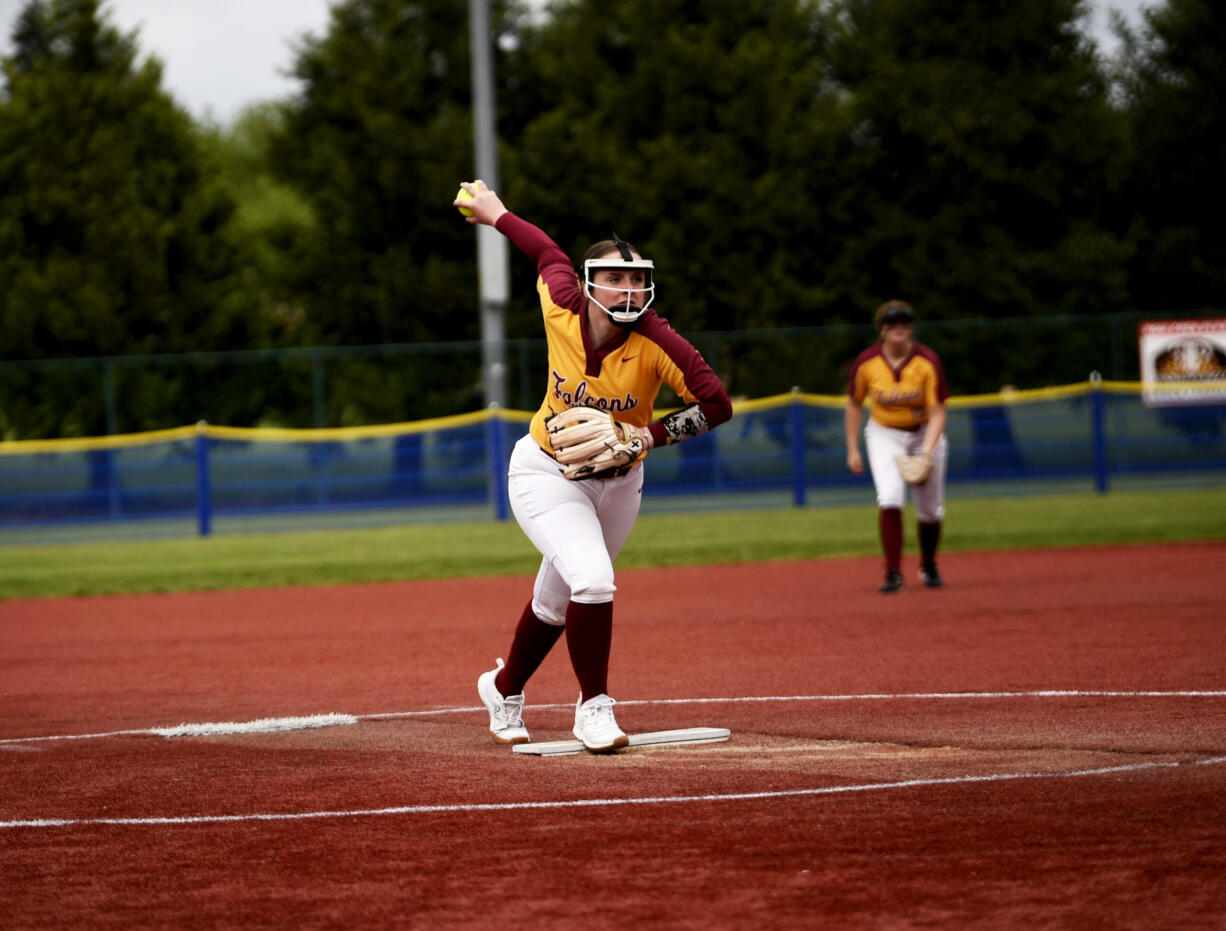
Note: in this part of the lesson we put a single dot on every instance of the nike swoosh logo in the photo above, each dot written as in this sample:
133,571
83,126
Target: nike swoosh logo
628,358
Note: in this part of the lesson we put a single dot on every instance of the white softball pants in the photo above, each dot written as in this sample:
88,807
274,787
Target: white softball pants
578,526
883,444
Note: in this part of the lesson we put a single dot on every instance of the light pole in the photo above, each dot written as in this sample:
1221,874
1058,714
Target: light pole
493,263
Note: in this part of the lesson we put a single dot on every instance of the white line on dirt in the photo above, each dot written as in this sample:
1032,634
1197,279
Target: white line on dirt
328,720
601,802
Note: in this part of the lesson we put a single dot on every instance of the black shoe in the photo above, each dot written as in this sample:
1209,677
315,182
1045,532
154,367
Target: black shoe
892,583
930,576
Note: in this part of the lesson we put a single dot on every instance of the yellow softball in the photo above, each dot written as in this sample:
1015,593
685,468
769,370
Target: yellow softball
464,195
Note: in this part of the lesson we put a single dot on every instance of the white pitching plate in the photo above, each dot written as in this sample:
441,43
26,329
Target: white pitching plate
686,735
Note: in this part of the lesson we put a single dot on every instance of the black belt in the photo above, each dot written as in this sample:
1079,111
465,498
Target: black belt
613,473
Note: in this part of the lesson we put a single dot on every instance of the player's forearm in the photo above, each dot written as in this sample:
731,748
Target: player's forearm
694,381
935,427
852,418
694,420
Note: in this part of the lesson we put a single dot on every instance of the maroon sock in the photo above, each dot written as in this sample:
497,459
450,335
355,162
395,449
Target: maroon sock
889,521
589,637
929,537
531,644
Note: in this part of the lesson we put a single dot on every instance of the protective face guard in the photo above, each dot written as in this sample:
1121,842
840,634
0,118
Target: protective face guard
896,315
627,312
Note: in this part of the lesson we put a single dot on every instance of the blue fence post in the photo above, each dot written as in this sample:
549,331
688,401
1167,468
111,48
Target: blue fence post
498,463
796,418
1098,415
204,491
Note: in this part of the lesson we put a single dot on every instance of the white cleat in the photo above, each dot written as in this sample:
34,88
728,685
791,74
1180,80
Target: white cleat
596,727
506,712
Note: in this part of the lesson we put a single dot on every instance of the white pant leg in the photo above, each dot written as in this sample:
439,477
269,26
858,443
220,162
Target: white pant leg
930,497
882,445
550,594
579,527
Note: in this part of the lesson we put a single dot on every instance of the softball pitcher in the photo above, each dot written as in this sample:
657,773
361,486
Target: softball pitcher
575,480
905,437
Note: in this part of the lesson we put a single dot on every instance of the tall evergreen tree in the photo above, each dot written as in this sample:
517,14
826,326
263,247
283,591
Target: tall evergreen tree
1172,80
377,141
114,235
978,148
273,220
692,128
112,232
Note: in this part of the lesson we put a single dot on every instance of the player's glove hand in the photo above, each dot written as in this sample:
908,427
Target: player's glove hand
914,469
587,441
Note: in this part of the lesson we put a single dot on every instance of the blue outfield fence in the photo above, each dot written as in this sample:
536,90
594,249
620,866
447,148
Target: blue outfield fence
787,449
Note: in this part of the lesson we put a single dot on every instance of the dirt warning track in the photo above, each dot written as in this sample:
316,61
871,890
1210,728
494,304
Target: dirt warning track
1041,742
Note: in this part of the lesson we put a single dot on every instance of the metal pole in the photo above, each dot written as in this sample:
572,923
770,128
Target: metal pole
204,487
796,419
493,263
498,465
112,427
1098,420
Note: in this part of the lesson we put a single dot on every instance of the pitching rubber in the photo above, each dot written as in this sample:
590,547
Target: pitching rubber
686,735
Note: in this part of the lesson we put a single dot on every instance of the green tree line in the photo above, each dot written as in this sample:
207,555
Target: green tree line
787,163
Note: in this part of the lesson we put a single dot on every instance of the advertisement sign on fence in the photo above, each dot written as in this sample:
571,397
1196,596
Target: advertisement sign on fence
1183,362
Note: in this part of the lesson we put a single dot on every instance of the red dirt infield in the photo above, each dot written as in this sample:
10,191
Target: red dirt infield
1042,743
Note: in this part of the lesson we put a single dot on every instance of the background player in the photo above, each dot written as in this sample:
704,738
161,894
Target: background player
908,390
608,355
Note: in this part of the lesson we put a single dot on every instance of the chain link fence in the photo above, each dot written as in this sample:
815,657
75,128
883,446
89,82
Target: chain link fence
352,386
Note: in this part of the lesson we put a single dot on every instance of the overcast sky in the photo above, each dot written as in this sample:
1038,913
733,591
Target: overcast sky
220,55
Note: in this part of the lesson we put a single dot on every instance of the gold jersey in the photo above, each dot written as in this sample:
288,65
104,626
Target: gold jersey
625,374
899,397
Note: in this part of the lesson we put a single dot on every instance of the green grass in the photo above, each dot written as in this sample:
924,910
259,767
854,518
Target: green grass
419,551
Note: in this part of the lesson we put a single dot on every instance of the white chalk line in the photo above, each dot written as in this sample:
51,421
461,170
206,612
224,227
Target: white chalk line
602,802
262,726
861,696
265,725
